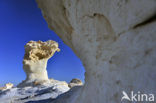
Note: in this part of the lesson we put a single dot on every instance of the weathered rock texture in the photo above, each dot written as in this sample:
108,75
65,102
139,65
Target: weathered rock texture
75,82
35,60
37,94
115,40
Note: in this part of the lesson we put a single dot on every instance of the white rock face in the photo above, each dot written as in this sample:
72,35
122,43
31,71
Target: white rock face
35,60
115,40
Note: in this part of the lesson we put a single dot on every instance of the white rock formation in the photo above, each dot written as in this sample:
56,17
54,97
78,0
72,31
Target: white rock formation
75,82
35,60
7,86
115,40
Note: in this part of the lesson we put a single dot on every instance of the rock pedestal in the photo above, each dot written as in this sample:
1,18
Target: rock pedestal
35,60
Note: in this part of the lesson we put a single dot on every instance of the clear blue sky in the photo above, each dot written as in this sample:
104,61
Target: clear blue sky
20,22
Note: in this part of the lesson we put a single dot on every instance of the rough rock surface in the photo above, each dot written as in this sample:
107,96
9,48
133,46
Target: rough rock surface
115,40
75,82
34,94
35,60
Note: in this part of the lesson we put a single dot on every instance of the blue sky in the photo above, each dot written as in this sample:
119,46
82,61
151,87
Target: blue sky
20,22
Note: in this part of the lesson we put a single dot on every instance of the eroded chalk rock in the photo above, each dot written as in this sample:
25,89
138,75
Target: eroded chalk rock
115,40
75,82
35,60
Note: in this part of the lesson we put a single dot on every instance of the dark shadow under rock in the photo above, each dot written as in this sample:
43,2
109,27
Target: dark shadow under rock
42,101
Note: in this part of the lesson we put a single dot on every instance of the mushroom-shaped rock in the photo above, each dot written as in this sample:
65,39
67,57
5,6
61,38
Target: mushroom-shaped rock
75,82
35,60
